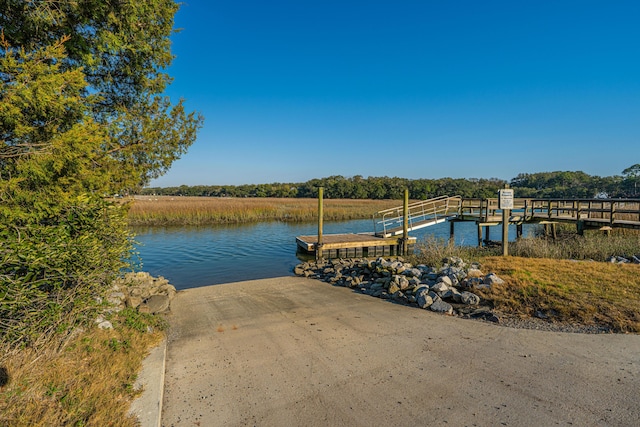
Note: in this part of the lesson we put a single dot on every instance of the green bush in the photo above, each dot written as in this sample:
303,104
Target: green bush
82,117
53,273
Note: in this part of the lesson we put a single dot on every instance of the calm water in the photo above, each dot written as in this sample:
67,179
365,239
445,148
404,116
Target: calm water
199,256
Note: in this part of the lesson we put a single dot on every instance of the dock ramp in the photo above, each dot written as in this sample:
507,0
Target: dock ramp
389,222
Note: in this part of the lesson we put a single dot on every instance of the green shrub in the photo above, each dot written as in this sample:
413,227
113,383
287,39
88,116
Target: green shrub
54,272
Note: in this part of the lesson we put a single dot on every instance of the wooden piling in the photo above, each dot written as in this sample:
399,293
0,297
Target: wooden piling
452,231
320,223
405,223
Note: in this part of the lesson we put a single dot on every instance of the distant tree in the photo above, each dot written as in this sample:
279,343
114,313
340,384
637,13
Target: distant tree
421,189
632,173
376,188
359,190
556,184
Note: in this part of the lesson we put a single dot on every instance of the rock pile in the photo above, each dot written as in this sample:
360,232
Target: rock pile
141,291
635,259
446,290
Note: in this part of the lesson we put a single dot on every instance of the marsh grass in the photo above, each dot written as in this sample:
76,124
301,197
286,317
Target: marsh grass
593,245
88,382
433,251
214,210
596,246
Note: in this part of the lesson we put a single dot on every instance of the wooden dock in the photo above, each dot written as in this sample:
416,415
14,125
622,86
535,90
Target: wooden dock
351,244
586,214
598,214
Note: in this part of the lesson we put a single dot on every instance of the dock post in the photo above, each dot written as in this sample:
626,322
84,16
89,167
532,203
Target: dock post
405,223
320,219
479,235
451,231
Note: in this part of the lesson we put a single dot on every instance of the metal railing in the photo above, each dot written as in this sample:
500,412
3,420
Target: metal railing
390,222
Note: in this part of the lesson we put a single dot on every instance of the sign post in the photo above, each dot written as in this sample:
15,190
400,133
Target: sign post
505,202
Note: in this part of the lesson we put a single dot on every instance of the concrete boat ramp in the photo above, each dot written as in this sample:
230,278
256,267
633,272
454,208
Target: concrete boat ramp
298,352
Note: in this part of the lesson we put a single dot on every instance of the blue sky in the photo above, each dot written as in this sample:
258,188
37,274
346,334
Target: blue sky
295,90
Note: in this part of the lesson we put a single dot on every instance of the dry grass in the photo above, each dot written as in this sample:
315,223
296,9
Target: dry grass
557,279
433,251
594,245
88,383
213,210
585,292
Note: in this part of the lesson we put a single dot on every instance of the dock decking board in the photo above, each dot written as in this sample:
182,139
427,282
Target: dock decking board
356,244
348,241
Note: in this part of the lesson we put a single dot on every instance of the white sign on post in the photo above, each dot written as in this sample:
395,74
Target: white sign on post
505,201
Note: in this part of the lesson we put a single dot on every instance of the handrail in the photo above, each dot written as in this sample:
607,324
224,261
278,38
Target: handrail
596,210
591,212
419,214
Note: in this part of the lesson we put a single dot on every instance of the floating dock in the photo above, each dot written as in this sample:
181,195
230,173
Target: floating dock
350,244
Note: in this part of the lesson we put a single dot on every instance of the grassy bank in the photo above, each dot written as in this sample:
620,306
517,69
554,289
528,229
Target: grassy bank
88,381
213,210
583,292
562,280
593,245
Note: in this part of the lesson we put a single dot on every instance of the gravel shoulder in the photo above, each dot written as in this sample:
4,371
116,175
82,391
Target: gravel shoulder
551,326
296,351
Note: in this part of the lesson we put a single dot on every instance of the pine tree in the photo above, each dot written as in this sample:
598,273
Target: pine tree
82,116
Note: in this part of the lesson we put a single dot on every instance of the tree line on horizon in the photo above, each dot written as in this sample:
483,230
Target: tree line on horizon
559,184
